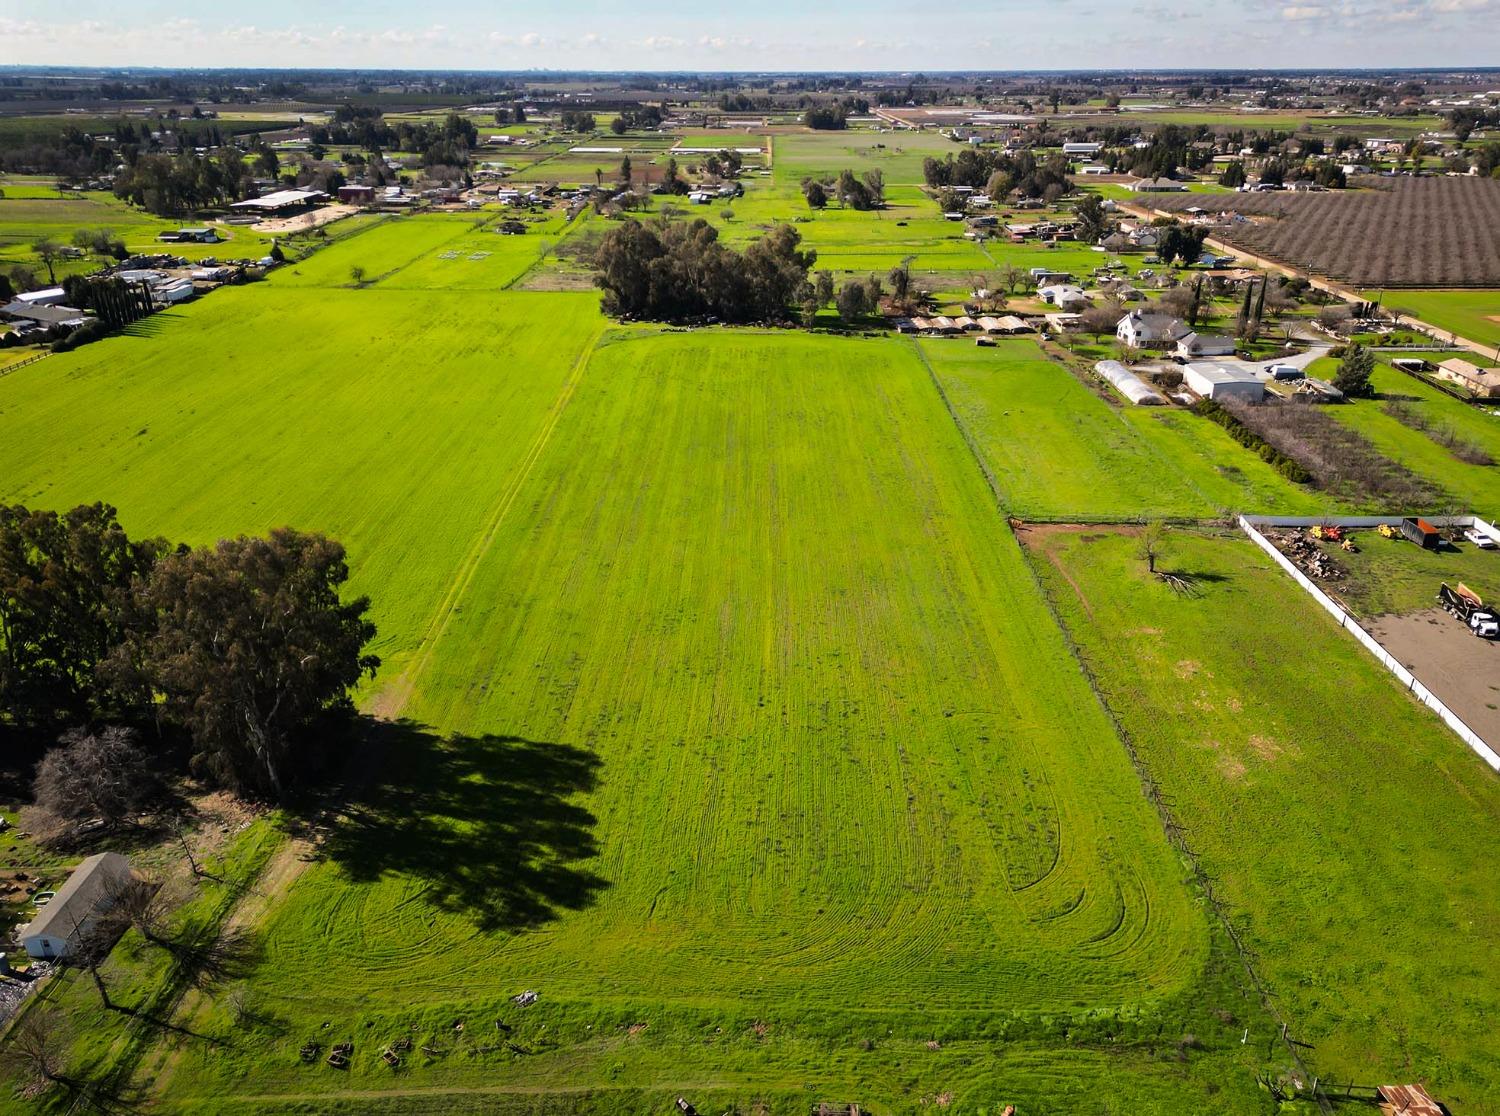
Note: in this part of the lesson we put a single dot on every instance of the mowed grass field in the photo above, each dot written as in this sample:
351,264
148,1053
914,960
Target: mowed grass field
722,708
1471,314
1339,822
195,427
730,709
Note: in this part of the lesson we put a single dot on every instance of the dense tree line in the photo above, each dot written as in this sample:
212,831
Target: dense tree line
240,648
679,271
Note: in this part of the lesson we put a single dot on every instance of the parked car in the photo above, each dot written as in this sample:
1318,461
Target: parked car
1479,538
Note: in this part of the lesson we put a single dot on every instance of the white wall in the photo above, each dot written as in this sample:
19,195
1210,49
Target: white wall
1347,622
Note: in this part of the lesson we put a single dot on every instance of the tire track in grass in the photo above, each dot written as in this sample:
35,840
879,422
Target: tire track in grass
391,700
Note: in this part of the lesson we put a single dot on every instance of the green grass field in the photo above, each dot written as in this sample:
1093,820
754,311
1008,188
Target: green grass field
1473,315
802,782
1470,487
1058,451
1295,761
721,706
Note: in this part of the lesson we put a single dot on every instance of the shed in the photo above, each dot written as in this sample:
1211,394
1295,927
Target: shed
1407,1100
1131,386
358,194
1218,381
91,887
51,296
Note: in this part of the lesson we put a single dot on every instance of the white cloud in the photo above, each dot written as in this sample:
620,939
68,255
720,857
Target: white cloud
1301,12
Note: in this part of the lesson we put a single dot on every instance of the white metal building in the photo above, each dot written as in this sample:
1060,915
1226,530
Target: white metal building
1219,381
76,905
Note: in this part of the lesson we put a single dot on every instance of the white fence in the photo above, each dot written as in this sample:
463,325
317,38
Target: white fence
1249,525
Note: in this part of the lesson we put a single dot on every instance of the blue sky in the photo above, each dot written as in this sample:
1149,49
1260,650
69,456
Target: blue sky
762,35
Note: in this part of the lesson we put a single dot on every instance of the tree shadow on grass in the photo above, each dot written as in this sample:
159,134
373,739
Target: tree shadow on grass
487,822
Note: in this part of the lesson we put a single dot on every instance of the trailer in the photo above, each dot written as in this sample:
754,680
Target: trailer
1422,533
1464,604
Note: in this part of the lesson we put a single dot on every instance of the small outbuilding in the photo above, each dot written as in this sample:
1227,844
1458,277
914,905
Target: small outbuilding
88,893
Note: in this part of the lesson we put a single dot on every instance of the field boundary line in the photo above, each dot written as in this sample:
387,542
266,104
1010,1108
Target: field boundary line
399,689
1171,828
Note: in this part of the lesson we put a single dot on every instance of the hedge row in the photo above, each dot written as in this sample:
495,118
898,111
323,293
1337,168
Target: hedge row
1288,467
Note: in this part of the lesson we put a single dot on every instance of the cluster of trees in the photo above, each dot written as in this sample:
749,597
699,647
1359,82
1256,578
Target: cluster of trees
364,126
1000,173
575,120
826,118
233,652
864,192
645,118
679,271
515,114
1179,242
171,186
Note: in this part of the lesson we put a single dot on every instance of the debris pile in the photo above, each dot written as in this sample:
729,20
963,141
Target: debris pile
1307,556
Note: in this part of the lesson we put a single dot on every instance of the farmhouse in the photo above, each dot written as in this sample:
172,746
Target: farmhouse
1218,381
45,316
1195,345
1156,186
1140,329
89,890
1483,382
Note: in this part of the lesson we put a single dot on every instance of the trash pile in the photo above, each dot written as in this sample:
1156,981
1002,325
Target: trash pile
1307,556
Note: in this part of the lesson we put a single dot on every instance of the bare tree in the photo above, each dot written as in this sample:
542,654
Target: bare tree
99,776
34,1048
144,905
1153,541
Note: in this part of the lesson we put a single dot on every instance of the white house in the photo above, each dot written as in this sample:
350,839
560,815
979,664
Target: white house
90,889
1218,381
1141,329
1064,296
1089,149
1156,186
1195,345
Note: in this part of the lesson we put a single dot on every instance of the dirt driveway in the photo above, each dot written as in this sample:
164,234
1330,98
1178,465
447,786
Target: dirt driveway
1461,669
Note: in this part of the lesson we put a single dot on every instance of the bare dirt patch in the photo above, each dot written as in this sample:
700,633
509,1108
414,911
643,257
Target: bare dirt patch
1462,670
325,215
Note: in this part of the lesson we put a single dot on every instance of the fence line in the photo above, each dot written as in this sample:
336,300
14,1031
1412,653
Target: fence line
9,368
1349,624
